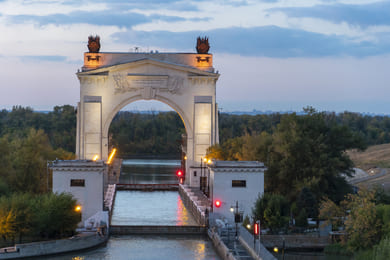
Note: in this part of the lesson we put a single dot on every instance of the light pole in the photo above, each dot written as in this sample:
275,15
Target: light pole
237,216
201,173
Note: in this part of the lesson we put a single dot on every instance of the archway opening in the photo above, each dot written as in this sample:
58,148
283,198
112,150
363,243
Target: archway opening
147,130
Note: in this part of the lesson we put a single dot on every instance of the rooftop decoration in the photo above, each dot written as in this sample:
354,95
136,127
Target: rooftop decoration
202,45
93,44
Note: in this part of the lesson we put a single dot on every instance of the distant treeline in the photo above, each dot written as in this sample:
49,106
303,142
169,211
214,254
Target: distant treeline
143,134
59,124
373,129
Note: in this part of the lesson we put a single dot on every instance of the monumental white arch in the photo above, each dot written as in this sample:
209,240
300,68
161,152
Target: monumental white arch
110,81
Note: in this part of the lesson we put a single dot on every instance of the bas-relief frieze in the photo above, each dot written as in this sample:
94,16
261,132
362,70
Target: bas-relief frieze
93,79
147,85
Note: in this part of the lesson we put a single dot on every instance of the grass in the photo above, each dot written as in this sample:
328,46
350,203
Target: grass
373,156
371,160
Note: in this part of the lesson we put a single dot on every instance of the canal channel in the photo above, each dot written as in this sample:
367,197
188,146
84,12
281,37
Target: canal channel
149,208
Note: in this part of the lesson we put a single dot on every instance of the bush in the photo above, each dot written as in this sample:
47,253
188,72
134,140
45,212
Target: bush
46,215
336,249
382,251
383,212
273,211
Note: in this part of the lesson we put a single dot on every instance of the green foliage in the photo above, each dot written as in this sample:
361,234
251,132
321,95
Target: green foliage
301,219
46,215
303,151
364,254
24,162
382,250
378,252
383,213
362,223
381,196
307,201
332,213
60,124
4,189
137,134
337,249
273,211
56,215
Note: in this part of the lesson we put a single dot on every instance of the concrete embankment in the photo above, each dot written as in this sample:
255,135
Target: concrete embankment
160,230
219,246
75,243
194,203
295,241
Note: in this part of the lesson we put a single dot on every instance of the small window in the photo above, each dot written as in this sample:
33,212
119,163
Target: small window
238,183
77,183
194,173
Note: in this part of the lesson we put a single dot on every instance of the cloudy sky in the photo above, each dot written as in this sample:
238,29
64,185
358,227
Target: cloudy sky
272,54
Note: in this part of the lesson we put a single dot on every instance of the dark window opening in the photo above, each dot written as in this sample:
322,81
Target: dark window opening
77,183
194,173
238,183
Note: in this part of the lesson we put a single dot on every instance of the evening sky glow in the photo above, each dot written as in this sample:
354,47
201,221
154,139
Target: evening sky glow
274,55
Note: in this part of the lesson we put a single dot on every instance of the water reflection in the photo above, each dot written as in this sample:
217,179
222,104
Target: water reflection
150,208
149,171
148,247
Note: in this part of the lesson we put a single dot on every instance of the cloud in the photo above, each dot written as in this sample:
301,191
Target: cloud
50,58
358,15
177,5
266,41
120,19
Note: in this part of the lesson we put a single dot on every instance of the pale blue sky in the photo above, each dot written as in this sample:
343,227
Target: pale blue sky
272,54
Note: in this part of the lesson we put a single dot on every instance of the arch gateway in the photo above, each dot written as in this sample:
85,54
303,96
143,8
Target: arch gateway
184,81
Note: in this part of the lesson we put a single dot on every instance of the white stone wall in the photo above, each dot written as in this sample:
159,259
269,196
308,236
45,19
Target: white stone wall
221,182
90,197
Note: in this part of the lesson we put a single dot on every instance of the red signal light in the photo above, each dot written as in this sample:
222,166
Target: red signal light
218,203
256,229
179,173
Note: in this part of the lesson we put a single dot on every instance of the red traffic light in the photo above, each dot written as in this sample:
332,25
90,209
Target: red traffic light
218,203
256,229
179,173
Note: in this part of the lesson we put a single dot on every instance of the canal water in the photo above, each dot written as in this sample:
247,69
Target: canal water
149,208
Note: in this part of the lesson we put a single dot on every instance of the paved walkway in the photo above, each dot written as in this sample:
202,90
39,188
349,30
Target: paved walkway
228,236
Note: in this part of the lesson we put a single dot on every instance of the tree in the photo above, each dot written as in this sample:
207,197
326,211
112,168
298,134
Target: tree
332,213
362,224
306,200
272,210
308,151
7,220
55,215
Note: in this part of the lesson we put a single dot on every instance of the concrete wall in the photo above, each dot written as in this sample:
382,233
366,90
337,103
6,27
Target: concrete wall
219,246
197,211
295,241
75,243
90,196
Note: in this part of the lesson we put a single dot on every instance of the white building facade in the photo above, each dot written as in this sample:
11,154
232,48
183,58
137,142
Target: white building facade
84,179
235,181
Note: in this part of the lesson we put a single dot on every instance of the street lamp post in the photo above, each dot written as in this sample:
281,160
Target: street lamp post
237,216
201,173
